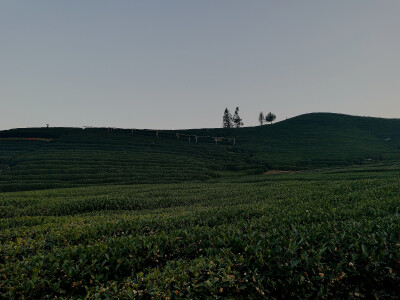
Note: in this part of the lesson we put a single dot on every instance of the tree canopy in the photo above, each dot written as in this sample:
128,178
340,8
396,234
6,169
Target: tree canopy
261,118
227,119
270,117
237,120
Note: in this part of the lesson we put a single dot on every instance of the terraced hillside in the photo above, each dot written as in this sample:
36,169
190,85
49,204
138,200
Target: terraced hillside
98,156
39,158
318,140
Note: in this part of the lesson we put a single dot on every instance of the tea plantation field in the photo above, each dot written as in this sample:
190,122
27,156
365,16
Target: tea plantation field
40,158
322,233
305,208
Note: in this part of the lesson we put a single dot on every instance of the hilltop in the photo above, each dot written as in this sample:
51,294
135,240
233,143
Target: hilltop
36,158
323,139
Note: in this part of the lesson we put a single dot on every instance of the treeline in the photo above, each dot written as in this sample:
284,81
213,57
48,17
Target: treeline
235,121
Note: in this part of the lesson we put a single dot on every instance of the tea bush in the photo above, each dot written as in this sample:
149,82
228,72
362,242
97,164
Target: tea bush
326,234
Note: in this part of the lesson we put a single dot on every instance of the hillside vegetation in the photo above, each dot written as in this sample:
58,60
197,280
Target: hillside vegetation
320,139
67,157
119,214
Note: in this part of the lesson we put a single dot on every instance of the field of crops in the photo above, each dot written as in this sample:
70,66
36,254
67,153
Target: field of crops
98,156
305,208
322,233
40,158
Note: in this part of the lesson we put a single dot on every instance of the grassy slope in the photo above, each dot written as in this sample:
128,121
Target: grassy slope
78,157
322,139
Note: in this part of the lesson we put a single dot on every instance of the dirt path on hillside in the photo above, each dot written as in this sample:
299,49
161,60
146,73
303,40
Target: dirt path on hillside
275,172
25,139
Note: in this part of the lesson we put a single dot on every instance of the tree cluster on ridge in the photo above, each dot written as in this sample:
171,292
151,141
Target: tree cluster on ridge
270,117
235,121
229,121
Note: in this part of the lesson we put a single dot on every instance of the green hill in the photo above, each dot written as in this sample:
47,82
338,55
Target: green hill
322,139
36,158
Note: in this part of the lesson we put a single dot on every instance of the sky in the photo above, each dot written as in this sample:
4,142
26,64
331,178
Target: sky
179,64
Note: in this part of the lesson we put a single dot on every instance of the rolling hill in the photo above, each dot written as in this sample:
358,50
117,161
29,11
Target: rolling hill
37,158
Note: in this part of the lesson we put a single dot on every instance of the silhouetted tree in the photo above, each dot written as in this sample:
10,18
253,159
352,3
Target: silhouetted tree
237,121
261,118
227,119
270,117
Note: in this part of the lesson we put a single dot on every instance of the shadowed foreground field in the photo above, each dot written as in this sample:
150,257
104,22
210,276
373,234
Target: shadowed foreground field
330,233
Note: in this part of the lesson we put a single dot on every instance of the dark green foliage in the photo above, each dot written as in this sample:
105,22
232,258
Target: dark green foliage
270,117
227,121
198,222
331,234
237,120
261,118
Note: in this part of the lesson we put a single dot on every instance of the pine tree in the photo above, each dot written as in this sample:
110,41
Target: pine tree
261,118
237,121
227,119
270,117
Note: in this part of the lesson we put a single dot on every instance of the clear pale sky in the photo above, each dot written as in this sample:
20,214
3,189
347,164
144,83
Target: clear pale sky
178,64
